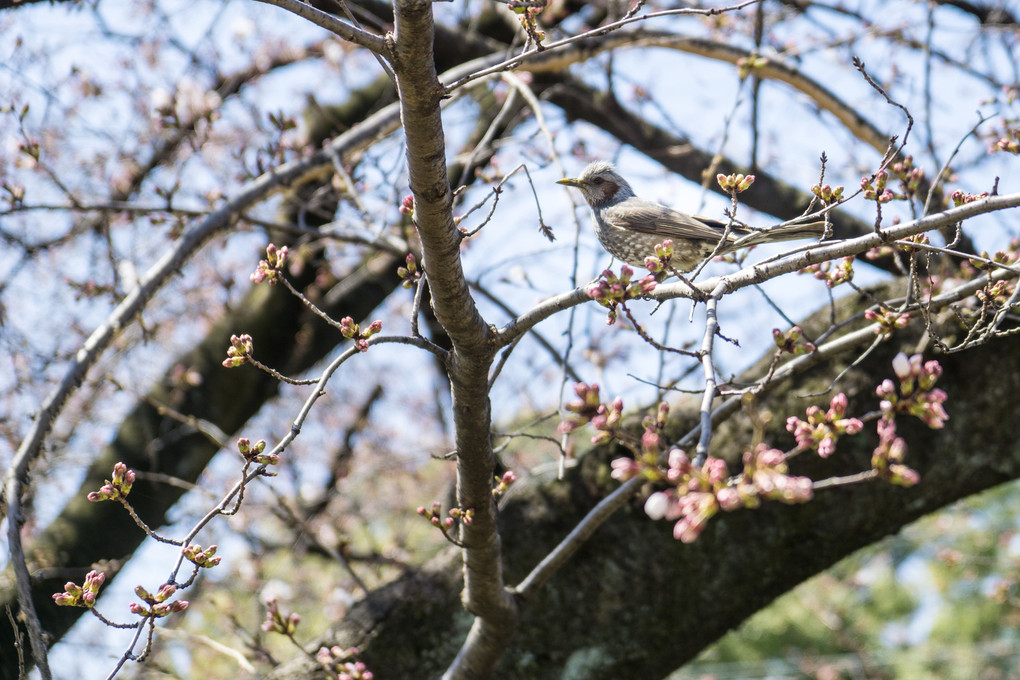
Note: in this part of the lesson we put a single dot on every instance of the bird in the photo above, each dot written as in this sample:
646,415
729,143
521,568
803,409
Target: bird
630,227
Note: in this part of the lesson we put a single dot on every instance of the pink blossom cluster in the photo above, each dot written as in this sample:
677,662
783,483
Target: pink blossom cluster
887,459
352,331
843,272
447,524
996,293
158,607
1007,144
691,499
435,517
278,621
888,321
269,269
588,408
652,441
696,494
910,176
81,596
792,341
660,261
117,488
201,558
409,273
765,476
874,188
960,198
241,347
612,290
503,484
736,183
822,428
917,395
407,205
342,664
255,453
827,193
652,445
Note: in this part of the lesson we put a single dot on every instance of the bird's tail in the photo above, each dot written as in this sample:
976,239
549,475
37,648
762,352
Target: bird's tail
790,232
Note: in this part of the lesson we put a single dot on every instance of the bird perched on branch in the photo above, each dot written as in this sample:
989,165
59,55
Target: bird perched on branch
629,227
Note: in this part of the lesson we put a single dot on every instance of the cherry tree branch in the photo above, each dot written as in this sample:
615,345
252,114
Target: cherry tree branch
325,20
764,271
760,272
708,367
577,537
470,360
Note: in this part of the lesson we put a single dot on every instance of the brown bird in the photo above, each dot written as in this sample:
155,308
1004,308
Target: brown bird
629,227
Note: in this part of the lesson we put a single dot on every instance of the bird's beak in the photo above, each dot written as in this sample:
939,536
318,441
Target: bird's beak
568,181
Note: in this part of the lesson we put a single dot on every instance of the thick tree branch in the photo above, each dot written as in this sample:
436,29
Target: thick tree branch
469,363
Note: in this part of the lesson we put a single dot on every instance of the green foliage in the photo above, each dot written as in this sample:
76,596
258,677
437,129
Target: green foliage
938,601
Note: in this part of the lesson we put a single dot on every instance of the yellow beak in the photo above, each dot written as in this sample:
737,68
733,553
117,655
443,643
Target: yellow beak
568,181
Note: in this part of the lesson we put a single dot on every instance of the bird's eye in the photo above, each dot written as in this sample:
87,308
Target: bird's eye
597,180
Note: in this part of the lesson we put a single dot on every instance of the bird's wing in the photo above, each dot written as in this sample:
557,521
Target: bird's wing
642,215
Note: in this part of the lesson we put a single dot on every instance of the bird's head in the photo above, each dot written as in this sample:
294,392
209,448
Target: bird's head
600,184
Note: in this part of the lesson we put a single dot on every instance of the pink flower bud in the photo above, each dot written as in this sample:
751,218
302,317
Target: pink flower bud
656,505
901,366
687,531
903,475
716,470
407,205
165,591
624,469
729,499
826,447
678,460
650,441
852,426
801,490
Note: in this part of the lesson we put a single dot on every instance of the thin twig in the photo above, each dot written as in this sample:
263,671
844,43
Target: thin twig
508,64
577,537
708,366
